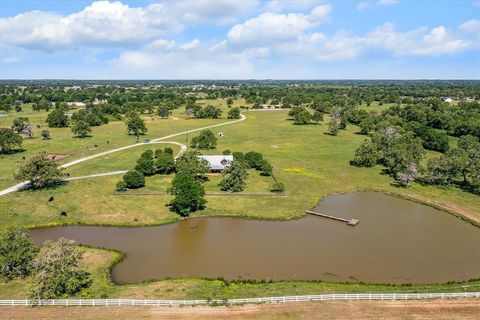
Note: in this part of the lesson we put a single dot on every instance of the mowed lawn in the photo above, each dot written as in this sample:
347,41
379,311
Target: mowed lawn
309,162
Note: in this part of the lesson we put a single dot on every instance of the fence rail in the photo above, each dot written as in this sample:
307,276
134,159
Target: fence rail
321,297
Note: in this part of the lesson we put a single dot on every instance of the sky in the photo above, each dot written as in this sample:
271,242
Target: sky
241,39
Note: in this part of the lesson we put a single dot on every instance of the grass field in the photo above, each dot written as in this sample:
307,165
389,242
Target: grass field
310,163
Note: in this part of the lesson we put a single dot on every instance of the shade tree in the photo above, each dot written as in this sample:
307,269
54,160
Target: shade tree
234,177
9,140
58,271
40,171
205,140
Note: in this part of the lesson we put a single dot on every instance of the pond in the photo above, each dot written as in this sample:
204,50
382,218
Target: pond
396,241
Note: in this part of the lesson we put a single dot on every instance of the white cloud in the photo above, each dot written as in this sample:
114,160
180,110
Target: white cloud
183,64
471,26
345,46
341,46
162,44
101,24
190,45
273,28
421,41
362,5
297,5
207,11
387,2
9,59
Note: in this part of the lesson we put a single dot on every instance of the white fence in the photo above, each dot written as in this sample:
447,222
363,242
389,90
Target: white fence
321,297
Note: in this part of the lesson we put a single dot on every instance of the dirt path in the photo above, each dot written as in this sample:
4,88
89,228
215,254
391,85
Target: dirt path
20,185
393,310
183,148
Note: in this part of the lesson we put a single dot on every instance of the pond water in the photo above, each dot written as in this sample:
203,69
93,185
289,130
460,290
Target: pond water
396,241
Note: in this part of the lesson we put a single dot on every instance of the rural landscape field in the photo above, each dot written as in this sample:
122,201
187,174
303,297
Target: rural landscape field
206,192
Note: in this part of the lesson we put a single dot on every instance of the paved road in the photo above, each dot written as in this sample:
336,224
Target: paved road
100,154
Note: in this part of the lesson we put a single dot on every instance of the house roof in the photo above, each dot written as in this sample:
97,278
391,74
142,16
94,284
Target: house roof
218,162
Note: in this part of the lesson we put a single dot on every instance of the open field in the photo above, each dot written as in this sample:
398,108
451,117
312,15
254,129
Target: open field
310,163
392,310
114,133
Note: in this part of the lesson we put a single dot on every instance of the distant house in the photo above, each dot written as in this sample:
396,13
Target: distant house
270,107
218,163
76,104
449,100
97,101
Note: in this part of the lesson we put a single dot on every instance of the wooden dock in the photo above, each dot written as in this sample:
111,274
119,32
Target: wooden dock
350,222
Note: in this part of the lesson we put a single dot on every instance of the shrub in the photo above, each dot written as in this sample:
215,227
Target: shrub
146,166
45,134
147,154
277,187
121,186
227,152
165,164
234,113
254,159
168,150
240,156
158,153
134,179
266,168
209,111
333,127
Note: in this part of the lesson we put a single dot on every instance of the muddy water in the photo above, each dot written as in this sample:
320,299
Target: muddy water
396,241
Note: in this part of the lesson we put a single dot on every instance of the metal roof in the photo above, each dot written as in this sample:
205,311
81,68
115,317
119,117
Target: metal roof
218,162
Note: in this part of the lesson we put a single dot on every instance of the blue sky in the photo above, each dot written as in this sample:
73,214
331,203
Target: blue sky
226,39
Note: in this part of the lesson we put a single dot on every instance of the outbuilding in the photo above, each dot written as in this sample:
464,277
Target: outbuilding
218,163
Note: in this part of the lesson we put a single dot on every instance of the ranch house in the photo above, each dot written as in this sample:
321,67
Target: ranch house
218,163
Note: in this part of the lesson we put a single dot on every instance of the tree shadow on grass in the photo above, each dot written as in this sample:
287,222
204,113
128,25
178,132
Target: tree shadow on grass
10,152
51,186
